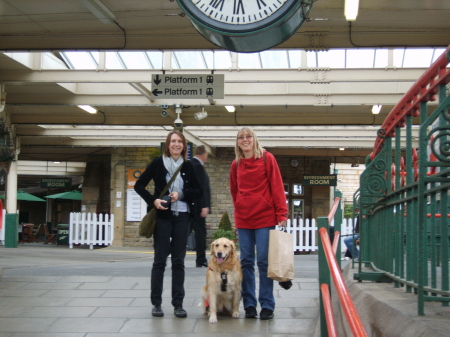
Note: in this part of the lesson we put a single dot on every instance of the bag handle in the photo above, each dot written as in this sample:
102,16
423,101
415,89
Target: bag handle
170,181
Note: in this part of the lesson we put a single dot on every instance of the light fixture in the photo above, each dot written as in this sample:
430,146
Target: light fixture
102,12
341,148
376,109
88,108
56,162
351,9
201,115
230,108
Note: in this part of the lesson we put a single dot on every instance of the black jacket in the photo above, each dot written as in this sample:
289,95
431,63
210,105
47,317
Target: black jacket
157,172
205,199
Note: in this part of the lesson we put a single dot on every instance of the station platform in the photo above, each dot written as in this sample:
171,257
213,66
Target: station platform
56,291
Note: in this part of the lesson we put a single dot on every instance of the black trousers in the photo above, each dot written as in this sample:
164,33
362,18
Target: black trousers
170,237
199,227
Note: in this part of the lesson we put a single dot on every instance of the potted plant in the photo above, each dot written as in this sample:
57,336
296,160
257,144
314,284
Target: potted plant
225,229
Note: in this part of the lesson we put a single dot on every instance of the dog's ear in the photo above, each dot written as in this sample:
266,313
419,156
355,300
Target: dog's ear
233,248
212,247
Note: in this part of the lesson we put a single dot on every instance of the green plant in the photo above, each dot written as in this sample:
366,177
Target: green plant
348,211
225,230
221,233
225,222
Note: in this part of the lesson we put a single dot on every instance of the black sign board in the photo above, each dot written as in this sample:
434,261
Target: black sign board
56,182
323,180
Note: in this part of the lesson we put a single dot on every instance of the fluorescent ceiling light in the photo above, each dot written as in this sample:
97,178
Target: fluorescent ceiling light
376,109
88,108
102,12
341,148
351,9
230,108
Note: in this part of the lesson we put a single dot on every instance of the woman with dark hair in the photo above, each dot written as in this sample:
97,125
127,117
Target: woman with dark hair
173,222
259,202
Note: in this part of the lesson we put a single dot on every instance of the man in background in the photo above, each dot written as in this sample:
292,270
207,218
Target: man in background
202,206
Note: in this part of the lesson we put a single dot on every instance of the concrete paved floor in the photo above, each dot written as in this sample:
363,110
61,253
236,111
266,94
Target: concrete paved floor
57,291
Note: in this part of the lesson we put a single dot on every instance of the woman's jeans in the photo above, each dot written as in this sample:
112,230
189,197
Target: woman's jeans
170,237
349,242
248,239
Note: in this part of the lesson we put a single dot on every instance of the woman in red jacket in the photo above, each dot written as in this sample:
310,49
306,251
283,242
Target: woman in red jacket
259,205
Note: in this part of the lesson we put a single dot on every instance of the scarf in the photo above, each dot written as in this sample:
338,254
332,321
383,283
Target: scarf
177,185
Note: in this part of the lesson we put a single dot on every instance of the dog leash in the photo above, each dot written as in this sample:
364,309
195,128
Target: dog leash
223,286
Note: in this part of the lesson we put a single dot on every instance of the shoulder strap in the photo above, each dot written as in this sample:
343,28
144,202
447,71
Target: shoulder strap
170,181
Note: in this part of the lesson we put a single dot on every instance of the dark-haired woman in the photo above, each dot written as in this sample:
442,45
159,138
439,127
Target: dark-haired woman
173,222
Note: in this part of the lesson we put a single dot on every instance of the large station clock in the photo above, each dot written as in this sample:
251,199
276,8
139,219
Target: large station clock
246,25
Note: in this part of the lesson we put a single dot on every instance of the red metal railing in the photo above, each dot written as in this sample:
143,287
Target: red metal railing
329,314
345,299
423,90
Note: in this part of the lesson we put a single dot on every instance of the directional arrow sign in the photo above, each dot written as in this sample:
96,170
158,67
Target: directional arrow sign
188,86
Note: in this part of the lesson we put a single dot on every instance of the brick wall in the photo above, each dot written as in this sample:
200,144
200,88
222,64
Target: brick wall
316,198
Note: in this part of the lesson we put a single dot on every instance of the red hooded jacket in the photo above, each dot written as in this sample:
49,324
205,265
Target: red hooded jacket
258,192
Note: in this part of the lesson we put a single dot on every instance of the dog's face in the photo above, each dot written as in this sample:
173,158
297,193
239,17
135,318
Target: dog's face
222,248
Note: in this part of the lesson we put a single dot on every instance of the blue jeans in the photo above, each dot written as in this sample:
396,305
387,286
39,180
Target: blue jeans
248,239
349,242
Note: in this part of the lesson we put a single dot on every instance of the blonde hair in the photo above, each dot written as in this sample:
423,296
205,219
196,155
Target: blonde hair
257,149
166,151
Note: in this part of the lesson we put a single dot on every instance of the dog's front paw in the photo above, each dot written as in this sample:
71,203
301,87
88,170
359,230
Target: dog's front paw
213,319
235,314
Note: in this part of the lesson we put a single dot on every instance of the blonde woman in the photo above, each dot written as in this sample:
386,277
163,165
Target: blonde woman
259,205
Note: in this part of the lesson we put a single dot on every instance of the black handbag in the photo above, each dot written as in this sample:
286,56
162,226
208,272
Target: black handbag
148,222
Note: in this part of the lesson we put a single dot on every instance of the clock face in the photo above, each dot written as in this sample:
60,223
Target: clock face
246,25
239,12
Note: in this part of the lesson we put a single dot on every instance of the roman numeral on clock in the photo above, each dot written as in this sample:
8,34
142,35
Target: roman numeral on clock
217,3
238,6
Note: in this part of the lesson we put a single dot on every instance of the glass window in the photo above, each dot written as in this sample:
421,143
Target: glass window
134,60
437,53
208,56
418,58
156,59
81,59
222,59
311,59
286,189
398,57
297,209
249,61
331,58
295,58
360,58
189,59
297,189
381,58
274,59
112,61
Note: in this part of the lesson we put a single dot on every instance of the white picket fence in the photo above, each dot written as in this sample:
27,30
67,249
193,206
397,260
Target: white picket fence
304,233
91,229
2,228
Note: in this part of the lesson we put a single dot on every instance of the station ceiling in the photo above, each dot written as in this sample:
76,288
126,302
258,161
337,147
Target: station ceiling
294,110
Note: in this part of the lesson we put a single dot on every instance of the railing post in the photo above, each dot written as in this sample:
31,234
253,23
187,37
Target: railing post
324,274
338,225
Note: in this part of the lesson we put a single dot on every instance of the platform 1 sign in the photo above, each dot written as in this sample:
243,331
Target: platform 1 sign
323,180
188,86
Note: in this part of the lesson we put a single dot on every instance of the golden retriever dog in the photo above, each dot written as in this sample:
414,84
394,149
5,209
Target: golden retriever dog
222,292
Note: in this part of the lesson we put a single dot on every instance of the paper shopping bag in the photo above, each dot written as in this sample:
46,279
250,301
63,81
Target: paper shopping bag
281,256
